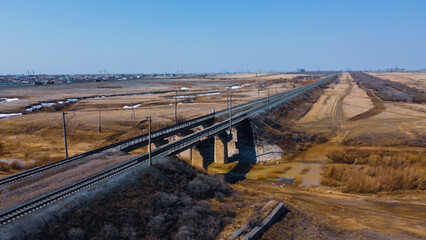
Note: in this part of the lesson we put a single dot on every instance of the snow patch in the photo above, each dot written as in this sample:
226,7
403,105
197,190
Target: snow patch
184,88
33,108
48,104
7,100
6,115
72,100
182,96
134,106
237,86
209,94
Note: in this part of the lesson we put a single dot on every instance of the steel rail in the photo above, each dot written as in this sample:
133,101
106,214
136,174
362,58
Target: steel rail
175,147
119,145
135,140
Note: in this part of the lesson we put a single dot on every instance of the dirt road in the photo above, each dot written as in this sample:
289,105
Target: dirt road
338,110
378,107
324,213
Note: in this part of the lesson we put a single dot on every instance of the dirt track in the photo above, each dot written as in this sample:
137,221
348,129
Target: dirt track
327,214
378,107
339,115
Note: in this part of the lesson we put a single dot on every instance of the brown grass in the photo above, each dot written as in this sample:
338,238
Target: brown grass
43,141
378,108
304,171
379,171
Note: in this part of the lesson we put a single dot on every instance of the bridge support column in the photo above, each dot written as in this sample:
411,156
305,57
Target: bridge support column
197,159
202,154
221,148
232,143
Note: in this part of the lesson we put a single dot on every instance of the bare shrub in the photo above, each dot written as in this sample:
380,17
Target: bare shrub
340,156
383,173
219,196
164,200
199,222
108,231
129,232
4,166
157,205
157,226
203,186
388,90
76,234
254,221
1,149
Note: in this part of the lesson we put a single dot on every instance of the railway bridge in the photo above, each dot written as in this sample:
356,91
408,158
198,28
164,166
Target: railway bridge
218,129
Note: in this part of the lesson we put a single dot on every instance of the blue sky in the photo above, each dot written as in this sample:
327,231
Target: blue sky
209,36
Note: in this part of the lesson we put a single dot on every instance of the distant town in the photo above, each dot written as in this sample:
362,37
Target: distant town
30,78
45,79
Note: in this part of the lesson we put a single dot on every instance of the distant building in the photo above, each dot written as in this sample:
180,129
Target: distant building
396,69
301,70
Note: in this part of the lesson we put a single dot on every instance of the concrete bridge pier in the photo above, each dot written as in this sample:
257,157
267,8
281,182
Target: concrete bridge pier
221,147
202,154
197,159
225,147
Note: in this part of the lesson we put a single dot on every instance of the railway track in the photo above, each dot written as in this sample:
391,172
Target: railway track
175,147
141,140
118,145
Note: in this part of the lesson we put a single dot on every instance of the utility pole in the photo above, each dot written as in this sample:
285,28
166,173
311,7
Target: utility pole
65,122
230,113
227,99
133,116
176,107
258,92
268,100
100,121
149,141
65,134
286,90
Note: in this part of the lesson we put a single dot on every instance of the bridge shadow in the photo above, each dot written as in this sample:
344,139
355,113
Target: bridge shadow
246,156
206,150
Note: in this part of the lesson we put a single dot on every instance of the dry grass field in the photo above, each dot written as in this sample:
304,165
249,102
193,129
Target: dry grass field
416,80
368,122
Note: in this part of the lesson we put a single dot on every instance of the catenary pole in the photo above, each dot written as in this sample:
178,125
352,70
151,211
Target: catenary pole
149,141
100,121
176,107
65,134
